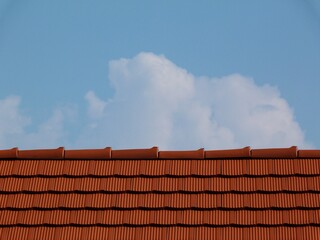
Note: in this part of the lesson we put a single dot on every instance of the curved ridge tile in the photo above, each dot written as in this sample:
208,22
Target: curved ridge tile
228,153
275,153
104,153
42,153
9,153
149,153
309,153
193,154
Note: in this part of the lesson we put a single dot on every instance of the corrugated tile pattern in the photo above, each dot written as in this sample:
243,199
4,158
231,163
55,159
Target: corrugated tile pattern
160,199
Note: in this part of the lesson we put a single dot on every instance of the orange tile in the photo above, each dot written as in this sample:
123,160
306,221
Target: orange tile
217,217
6,167
42,153
243,184
309,166
181,167
291,152
181,200
179,233
192,217
127,168
206,200
209,167
9,153
149,153
154,168
232,200
157,233
210,233
52,168
105,168
124,233
12,185
193,154
8,217
259,167
145,184
88,154
236,167
259,200
309,153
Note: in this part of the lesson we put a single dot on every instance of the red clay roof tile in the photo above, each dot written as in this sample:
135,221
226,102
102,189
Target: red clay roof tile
146,194
42,153
151,153
88,153
9,153
194,154
309,153
275,153
230,153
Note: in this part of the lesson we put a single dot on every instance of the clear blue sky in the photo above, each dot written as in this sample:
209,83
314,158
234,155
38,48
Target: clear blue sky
54,55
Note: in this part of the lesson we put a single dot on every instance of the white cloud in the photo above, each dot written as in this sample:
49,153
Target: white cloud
159,103
13,123
96,106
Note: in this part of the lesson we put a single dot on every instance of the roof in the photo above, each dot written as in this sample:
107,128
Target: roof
152,194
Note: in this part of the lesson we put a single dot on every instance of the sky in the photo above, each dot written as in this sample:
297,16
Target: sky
176,74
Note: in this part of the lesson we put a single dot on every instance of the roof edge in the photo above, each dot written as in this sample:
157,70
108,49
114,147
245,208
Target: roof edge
229,153
309,153
104,153
291,152
191,154
9,153
149,153
57,153
154,153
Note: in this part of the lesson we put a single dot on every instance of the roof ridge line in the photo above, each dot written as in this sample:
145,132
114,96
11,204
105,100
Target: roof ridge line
154,153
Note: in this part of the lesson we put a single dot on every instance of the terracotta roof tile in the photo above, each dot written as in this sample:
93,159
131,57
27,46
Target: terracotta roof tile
193,154
147,194
42,153
230,153
88,153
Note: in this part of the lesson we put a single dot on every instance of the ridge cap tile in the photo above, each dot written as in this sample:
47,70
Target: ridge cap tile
104,153
154,153
184,154
9,153
229,153
309,153
144,153
291,152
57,153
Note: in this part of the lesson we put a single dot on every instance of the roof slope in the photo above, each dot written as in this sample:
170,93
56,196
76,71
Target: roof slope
151,194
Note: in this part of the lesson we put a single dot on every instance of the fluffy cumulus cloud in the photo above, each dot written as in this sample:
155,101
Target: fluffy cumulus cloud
159,103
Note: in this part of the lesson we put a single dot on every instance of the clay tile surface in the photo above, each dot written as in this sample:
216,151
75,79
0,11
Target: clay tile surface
229,153
42,153
9,153
88,153
195,154
149,194
151,153
275,153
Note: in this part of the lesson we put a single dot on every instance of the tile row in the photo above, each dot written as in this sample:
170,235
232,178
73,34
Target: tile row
160,201
160,217
160,233
160,184
230,167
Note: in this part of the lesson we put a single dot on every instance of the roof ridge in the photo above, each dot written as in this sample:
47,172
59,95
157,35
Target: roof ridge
154,153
